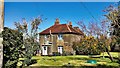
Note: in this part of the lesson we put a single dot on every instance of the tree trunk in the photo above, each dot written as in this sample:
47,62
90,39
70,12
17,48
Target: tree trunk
103,55
1,29
111,58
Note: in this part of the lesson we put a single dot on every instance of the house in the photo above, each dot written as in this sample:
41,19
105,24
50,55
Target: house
59,38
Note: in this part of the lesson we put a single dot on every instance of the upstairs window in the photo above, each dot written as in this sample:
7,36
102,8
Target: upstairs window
46,38
60,37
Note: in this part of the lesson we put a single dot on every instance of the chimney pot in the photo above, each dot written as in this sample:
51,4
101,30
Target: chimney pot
57,22
70,24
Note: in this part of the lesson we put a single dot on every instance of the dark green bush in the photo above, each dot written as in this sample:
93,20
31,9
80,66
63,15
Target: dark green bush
56,54
65,53
12,44
86,49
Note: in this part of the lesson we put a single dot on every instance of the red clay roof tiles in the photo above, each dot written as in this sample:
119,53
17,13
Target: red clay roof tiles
61,29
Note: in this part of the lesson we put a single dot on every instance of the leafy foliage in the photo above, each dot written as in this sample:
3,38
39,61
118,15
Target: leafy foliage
88,45
12,44
114,17
30,37
104,28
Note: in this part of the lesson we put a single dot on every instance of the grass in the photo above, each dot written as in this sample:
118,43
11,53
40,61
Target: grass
76,60
114,54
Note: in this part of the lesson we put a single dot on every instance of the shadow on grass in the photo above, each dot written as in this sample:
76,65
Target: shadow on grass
77,58
71,66
33,61
98,66
104,56
115,58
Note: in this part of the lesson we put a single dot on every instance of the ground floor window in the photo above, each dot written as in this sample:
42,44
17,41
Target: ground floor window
44,50
60,49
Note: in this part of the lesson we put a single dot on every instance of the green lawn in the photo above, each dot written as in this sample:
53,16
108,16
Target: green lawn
77,60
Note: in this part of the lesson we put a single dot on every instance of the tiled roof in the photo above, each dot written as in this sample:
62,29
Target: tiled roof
61,29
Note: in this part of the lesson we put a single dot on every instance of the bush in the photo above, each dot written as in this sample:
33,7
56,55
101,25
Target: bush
12,45
56,54
65,53
87,46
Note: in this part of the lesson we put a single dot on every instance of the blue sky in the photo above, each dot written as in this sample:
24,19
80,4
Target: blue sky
61,0
65,11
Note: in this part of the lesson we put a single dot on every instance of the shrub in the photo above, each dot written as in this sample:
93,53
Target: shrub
65,53
87,46
56,54
12,44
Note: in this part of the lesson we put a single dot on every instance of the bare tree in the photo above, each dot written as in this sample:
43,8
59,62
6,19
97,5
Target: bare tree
113,16
100,31
30,36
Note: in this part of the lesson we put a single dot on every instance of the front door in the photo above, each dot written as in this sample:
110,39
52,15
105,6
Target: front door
44,50
60,49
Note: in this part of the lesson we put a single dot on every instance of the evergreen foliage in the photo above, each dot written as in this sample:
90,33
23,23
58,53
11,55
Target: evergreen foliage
12,44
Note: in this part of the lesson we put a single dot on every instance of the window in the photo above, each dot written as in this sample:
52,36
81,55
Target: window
60,37
0,47
44,48
47,36
60,49
45,39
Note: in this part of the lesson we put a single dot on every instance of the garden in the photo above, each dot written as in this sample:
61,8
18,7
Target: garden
75,61
94,49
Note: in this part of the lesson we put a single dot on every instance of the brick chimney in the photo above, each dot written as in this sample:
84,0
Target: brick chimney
70,24
57,22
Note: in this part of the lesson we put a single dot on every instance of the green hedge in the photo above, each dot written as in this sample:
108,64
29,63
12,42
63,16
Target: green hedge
12,44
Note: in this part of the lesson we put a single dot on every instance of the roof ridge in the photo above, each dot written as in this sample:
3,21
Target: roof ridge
68,28
47,28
